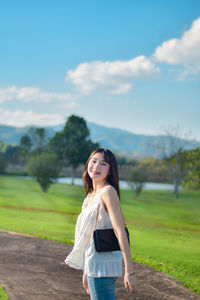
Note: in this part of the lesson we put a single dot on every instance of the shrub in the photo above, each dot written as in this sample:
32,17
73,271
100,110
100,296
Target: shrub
137,179
44,168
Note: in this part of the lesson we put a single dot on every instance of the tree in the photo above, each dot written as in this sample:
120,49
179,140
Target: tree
25,147
73,144
137,179
192,161
12,154
3,163
171,146
44,167
8,154
156,169
38,139
34,142
57,144
78,144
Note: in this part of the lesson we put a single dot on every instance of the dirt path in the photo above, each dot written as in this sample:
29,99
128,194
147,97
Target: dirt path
33,269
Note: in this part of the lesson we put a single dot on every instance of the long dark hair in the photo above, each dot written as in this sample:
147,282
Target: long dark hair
113,177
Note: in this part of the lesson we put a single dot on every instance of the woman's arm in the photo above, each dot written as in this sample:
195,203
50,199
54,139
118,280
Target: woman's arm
112,205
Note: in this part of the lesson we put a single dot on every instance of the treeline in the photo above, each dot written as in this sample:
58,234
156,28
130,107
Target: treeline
180,168
46,158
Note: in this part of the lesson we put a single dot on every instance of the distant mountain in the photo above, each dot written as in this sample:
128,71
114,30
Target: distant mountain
10,134
121,141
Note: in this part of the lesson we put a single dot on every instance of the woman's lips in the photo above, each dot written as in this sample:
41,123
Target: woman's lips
95,172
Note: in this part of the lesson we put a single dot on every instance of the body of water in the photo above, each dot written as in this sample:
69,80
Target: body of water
123,184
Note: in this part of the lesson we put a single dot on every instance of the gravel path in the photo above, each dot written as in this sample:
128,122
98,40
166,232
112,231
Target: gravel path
33,269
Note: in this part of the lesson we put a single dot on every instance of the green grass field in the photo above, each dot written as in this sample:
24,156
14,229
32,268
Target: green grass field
165,231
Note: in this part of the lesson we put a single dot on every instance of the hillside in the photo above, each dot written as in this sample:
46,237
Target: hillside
121,141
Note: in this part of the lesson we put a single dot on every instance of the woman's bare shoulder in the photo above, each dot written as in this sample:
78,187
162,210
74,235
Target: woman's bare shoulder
110,191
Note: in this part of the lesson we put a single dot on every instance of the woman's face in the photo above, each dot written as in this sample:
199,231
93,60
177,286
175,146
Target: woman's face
98,168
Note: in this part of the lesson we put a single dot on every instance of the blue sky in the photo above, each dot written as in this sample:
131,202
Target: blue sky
134,65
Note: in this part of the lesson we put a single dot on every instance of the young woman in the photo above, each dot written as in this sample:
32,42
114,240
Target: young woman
101,269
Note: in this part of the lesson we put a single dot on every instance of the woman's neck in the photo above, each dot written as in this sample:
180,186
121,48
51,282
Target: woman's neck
98,185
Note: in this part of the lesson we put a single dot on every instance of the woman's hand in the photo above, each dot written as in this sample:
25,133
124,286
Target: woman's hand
130,282
85,282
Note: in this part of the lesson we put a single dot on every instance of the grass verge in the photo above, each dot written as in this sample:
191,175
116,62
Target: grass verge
165,231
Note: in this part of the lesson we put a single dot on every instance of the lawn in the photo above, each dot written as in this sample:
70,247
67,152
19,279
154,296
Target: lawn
165,231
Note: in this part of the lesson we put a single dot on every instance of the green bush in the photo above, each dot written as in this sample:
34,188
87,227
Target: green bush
137,179
44,168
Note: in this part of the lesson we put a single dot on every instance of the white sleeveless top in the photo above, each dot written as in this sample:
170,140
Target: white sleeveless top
84,255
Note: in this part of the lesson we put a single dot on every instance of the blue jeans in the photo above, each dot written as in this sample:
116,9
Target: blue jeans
102,288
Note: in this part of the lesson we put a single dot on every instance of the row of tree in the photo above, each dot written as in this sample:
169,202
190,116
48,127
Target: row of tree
176,163
69,147
44,157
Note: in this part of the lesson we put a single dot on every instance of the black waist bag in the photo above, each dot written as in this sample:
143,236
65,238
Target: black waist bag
106,240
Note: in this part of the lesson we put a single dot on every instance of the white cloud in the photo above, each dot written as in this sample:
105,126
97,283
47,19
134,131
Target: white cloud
22,118
114,77
185,51
28,94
